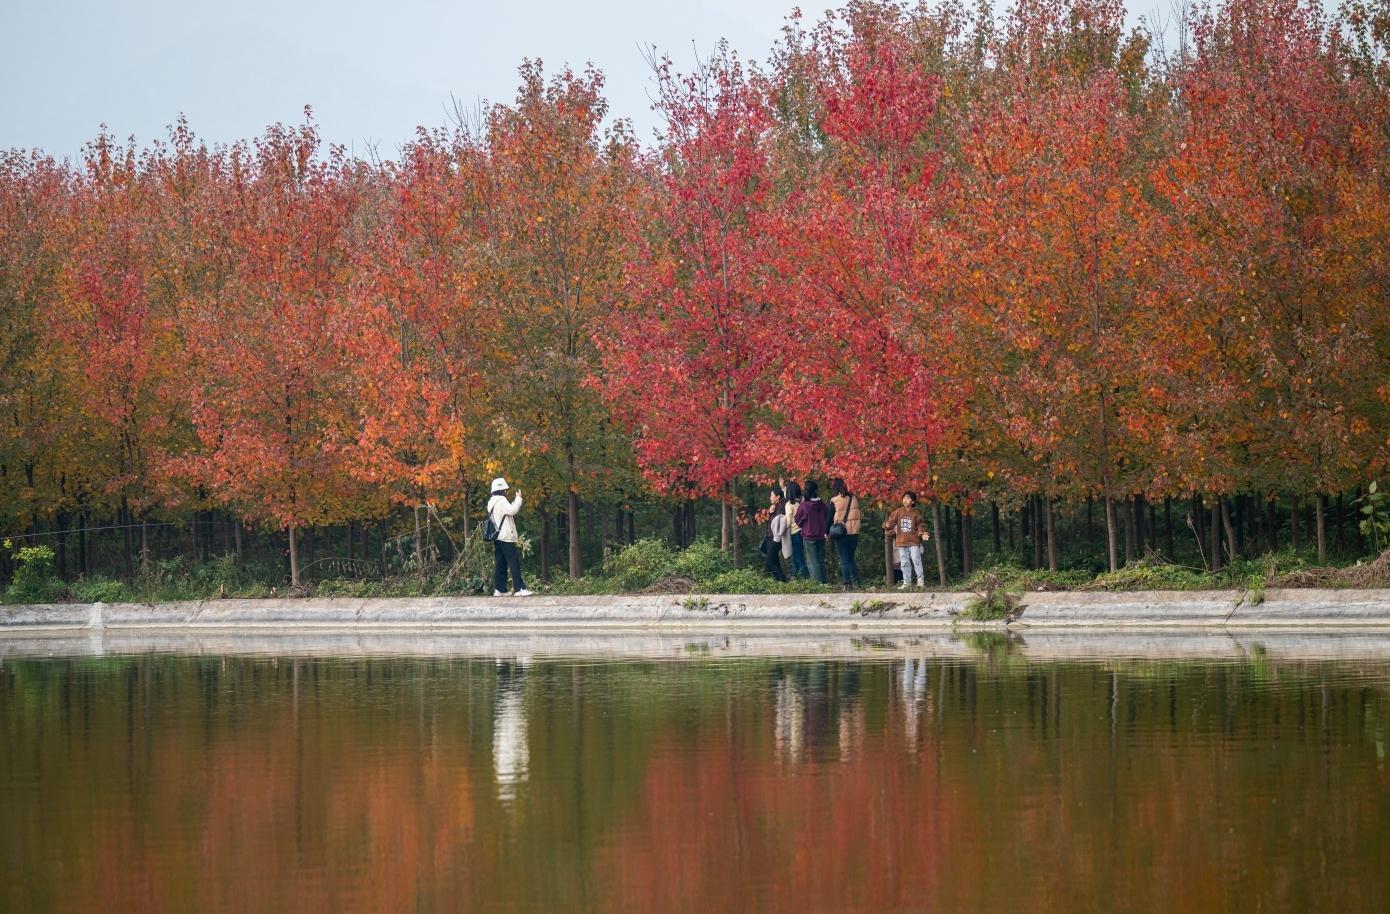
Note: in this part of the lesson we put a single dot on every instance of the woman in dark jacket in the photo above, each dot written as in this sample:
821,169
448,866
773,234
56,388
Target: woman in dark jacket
813,516
776,532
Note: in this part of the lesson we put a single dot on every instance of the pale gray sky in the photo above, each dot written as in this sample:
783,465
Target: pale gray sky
372,70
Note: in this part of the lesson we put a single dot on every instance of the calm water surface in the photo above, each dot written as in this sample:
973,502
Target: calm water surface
181,783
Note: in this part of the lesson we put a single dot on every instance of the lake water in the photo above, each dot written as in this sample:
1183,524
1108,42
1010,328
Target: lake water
993,779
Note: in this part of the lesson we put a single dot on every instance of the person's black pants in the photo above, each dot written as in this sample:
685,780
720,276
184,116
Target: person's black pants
772,561
844,550
508,559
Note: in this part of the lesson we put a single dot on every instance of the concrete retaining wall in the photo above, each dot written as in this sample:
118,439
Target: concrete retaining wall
887,611
1049,645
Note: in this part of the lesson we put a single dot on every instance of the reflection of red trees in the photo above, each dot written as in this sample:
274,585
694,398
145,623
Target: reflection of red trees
199,787
726,829
302,812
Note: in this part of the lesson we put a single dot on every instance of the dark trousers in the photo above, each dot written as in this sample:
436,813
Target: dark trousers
844,551
815,560
507,559
772,561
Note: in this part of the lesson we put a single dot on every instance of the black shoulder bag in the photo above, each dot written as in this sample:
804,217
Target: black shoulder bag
839,529
491,529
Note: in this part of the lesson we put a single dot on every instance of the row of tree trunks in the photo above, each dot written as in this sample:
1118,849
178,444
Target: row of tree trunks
1222,528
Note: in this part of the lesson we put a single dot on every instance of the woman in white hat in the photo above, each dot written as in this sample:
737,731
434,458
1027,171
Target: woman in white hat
503,515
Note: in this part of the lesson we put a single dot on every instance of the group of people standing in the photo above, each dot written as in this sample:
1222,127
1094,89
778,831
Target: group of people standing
800,523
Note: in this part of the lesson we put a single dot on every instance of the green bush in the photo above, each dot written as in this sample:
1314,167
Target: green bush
742,580
1013,577
638,565
990,606
1146,574
702,562
33,577
99,590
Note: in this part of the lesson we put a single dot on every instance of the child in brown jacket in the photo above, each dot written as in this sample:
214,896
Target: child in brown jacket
909,532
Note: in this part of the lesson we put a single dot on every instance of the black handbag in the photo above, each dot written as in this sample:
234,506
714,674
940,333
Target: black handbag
838,530
766,546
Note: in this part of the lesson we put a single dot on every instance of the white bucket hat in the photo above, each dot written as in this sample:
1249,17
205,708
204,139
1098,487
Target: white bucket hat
499,485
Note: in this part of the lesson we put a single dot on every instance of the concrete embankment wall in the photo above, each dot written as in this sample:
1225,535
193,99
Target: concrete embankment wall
896,612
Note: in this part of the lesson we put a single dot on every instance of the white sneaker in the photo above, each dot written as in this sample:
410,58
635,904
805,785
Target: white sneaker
523,593
498,593
903,586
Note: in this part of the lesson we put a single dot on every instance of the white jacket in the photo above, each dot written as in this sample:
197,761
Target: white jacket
503,514
780,535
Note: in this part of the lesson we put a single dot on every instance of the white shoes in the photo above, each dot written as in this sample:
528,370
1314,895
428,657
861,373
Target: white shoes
523,593
498,593
903,586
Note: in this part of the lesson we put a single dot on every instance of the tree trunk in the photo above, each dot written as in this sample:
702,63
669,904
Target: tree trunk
1320,521
1140,539
82,568
236,536
1293,522
1215,538
1111,546
1090,524
994,523
1153,525
1051,537
572,528
128,547
1129,530
61,557
294,558
419,551
936,536
592,523
724,526
1233,513
631,525
1037,521
1232,549
888,559
144,547
1024,528
545,543
733,520
967,541
1197,519
1168,529
1271,525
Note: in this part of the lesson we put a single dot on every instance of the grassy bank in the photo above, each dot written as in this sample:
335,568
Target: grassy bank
650,566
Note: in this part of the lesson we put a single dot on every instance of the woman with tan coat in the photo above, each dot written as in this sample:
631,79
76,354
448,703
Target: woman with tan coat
844,530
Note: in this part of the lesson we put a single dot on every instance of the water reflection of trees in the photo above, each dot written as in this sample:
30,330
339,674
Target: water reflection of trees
171,783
